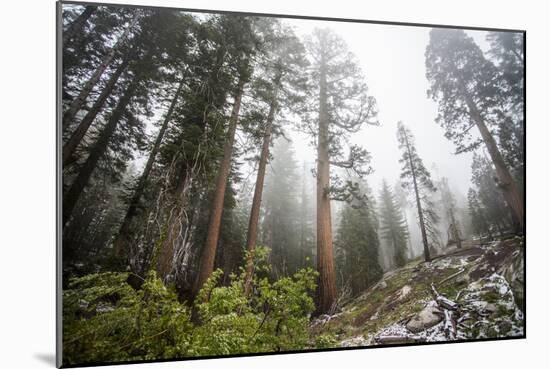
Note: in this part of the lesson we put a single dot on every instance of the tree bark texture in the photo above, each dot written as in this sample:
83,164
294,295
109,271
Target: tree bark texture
325,257
208,256
252,233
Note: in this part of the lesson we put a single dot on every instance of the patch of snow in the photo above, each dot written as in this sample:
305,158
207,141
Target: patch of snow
355,342
404,292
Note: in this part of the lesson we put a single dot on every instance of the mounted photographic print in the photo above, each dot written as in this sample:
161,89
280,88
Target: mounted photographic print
237,184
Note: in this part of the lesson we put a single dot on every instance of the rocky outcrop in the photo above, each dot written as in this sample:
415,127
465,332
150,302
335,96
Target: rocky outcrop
469,293
427,318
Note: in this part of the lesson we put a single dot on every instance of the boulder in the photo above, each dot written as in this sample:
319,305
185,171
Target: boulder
425,319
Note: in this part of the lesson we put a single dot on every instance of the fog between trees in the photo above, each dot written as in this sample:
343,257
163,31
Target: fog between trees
190,140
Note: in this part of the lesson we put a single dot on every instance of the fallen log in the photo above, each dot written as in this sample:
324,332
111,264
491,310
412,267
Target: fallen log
396,339
443,301
452,276
449,326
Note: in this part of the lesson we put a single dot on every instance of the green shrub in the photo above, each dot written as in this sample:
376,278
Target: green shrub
325,341
106,320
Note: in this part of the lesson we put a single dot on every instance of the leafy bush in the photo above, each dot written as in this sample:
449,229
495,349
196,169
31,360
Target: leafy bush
325,341
106,320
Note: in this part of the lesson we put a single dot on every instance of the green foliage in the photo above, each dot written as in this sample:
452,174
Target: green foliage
274,318
326,340
281,220
486,202
106,320
393,226
358,245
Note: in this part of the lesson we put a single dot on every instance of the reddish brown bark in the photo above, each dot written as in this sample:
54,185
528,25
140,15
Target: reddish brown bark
507,184
325,257
70,198
78,102
79,133
206,266
252,234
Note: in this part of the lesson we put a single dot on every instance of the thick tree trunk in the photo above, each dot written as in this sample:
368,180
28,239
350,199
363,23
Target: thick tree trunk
418,204
209,252
79,133
71,197
122,239
325,257
507,184
77,26
257,200
78,102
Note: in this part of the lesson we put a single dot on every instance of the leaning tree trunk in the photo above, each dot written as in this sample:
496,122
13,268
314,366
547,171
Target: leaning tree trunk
122,238
325,257
78,102
418,204
100,146
507,184
79,133
76,28
206,266
257,200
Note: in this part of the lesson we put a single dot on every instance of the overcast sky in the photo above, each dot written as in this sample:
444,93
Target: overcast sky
392,59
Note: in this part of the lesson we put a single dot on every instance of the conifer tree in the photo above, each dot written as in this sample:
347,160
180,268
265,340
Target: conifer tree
78,102
357,244
478,213
340,106
280,225
123,127
468,89
506,51
393,227
490,203
416,177
243,44
281,76
448,203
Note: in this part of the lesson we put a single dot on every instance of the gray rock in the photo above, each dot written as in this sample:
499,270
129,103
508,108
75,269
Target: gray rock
425,319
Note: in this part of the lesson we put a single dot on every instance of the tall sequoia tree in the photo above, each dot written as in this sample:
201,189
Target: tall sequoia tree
469,91
339,105
415,177
281,77
506,51
393,226
189,158
243,44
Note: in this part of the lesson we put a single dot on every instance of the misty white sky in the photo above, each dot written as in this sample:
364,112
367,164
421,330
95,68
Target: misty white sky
392,59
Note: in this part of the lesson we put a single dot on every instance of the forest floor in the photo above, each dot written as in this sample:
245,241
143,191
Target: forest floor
467,293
